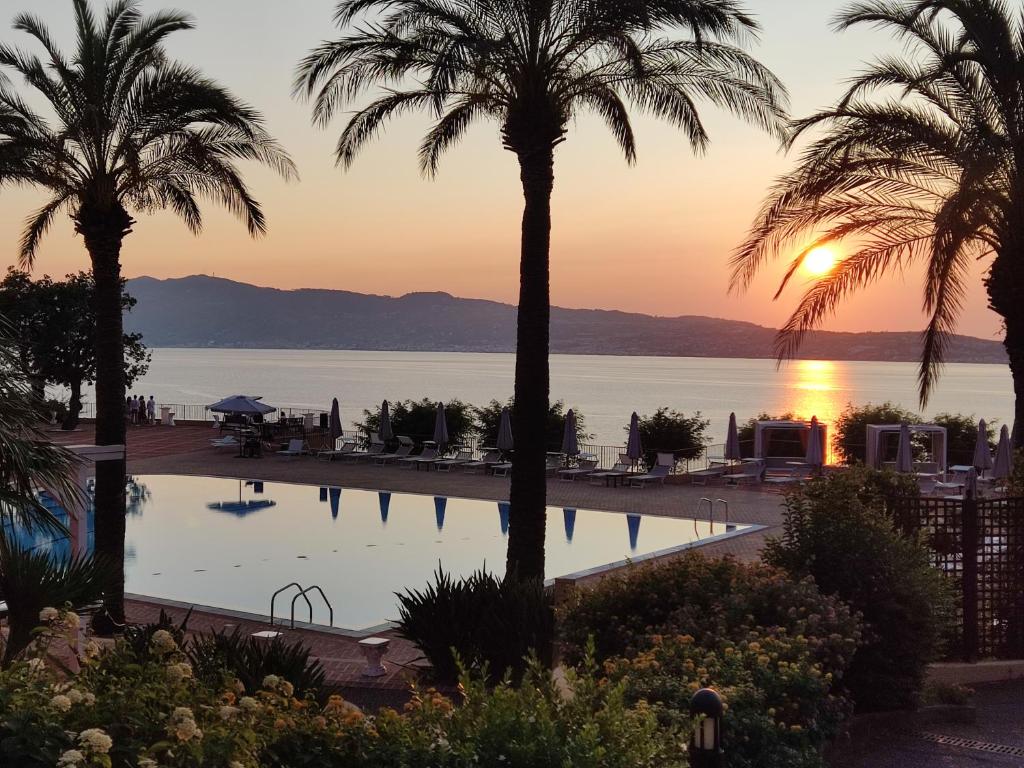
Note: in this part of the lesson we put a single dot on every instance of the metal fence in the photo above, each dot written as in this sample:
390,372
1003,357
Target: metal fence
980,544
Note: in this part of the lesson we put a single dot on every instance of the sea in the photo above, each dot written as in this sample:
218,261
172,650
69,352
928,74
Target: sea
604,389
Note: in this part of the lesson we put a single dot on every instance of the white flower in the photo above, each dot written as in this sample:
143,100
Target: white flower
95,740
270,682
91,650
236,764
61,703
183,725
90,698
163,642
146,762
249,704
71,757
286,688
75,696
228,712
72,620
178,672
49,614
36,666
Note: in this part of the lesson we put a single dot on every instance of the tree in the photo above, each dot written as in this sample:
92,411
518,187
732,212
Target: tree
532,66
489,422
416,419
850,432
962,436
61,348
671,431
130,130
920,162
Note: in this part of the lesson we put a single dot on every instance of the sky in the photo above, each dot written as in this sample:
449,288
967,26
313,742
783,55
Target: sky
654,238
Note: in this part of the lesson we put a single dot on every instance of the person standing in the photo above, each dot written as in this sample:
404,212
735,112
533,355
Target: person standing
151,410
142,410
133,410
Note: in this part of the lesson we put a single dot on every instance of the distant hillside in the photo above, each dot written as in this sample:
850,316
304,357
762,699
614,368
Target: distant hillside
202,311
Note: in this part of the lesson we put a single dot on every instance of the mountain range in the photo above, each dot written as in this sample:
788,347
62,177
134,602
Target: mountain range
203,311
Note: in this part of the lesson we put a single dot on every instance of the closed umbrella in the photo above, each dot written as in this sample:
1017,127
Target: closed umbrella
971,484
440,505
335,495
441,428
1003,465
732,441
505,441
904,453
815,453
634,448
982,454
335,431
633,524
503,513
570,441
384,500
384,428
569,518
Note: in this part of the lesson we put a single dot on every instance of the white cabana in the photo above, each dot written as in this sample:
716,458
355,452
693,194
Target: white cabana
764,429
876,433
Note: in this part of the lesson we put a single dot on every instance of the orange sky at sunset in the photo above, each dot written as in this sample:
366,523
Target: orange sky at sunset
654,238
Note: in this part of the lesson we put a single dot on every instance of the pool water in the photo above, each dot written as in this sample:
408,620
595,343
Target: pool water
230,543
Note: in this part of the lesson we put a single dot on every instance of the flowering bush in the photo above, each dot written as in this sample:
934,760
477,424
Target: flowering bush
780,708
130,710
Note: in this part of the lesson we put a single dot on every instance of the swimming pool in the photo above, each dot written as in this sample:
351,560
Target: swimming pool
231,543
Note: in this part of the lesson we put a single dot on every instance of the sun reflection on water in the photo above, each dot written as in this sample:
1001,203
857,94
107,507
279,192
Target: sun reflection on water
817,389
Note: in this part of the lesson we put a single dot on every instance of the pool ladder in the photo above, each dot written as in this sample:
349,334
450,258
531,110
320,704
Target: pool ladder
302,592
711,511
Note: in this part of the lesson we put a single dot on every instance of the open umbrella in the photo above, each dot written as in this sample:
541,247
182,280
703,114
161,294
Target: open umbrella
1003,465
905,452
441,428
505,441
732,441
815,456
982,454
634,449
570,440
384,428
242,404
334,425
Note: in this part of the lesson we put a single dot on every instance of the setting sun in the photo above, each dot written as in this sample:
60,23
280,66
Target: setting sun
820,261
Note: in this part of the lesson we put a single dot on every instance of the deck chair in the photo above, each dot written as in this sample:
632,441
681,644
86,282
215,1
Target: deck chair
464,456
426,457
584,468
296,447
489,459
657,474
405,446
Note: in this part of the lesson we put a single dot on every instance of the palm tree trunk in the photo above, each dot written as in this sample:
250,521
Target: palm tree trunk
104,232
1005,285
1014,343
528,494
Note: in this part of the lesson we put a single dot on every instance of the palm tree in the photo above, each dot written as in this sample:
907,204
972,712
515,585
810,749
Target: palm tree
532,66
920,162
130,130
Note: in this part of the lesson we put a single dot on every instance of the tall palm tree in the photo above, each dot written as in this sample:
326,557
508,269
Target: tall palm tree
531,66
920,162
129,130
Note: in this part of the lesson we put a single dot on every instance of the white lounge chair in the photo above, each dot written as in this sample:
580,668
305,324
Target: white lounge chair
657,474
623,468
426,457
405,446
501,469
228,441
553,463
464,456
584,468
489,459
715,470
347,447
296,447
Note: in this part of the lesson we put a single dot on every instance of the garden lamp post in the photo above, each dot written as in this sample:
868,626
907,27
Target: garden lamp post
706,743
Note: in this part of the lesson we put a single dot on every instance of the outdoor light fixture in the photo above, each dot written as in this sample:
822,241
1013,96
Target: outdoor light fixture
706,744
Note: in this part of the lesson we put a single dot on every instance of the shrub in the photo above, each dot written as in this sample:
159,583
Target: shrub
416,419
123,711
489,419
250,661
709,599
962,435
850,430
666,430
780,711
836,531
484,622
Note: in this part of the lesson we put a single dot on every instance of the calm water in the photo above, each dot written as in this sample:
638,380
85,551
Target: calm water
604,389
232,543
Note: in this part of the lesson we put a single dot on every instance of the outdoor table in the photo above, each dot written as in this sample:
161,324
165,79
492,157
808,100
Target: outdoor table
960,469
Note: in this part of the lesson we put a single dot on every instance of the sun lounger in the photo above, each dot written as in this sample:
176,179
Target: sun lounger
464,456
585,467
502,469
489,460
612,476
296,447
348,447
553,463
228,441
657,474
715,470
424,459
405,446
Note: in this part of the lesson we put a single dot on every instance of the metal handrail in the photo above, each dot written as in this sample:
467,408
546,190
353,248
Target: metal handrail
301,592
323,597
726,504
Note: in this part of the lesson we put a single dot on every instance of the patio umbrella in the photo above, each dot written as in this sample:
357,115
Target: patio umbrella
334,425
732,441
441,428
633,523
971,484
1003,465
440,505
335,494
815,454
384,499
505,441
982,455
570,440
384,428
242,404
905,452
569,517
634,449
503,509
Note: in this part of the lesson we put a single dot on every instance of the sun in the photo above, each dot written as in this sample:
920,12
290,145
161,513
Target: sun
820,261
